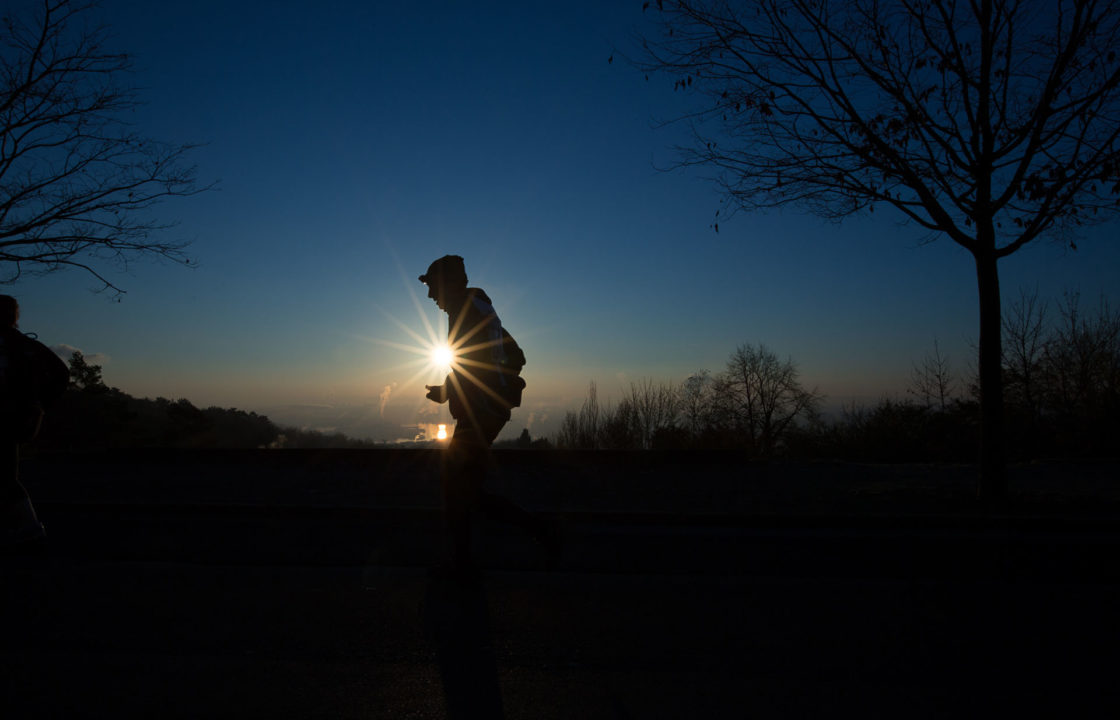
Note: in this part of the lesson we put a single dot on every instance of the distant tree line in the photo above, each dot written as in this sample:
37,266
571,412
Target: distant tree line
92,415
1061,368
756,404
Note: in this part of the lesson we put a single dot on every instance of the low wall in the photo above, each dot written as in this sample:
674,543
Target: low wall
592,481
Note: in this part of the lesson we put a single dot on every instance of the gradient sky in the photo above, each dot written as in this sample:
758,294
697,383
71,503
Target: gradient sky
353,143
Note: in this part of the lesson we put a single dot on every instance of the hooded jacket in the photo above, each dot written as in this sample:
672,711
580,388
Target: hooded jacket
484,373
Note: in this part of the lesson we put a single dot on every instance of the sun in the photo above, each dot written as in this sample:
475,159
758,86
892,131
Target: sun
442,355
432,357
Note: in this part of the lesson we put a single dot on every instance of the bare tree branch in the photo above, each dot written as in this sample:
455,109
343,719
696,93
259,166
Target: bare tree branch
839,106
75,179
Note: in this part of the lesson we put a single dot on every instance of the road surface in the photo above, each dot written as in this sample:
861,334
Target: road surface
221,610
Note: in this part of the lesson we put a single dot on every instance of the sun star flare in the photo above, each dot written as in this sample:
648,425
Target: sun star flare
442,355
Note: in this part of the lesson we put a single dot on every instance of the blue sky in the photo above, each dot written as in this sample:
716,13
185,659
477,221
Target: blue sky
353,143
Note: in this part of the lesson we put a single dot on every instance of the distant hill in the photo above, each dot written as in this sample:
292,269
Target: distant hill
95,416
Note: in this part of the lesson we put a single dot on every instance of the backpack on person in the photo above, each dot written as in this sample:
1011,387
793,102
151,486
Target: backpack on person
511,370
31,378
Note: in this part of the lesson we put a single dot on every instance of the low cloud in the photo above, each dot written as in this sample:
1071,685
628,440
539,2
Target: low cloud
384,397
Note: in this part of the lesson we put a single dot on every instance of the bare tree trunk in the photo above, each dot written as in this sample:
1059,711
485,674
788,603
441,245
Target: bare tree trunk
992,484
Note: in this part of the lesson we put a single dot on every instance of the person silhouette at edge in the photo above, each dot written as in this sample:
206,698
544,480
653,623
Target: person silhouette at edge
31,377
475,390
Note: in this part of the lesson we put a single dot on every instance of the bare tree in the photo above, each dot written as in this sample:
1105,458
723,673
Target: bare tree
75,179
695,403
581,430
1082,359
933,379
990,122
619,428
766,396
655,407
1023,344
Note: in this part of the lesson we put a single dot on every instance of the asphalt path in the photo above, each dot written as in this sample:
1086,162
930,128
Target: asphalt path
226,610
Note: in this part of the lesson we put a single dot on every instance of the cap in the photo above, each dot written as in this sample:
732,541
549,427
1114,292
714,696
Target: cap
448,267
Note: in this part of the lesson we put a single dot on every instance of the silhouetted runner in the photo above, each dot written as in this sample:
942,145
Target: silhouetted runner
31,378
482,388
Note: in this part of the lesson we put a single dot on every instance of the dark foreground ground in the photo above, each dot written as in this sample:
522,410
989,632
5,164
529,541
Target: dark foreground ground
288,584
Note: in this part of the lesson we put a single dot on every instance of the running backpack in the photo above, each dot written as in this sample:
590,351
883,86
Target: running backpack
511,369
31,376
